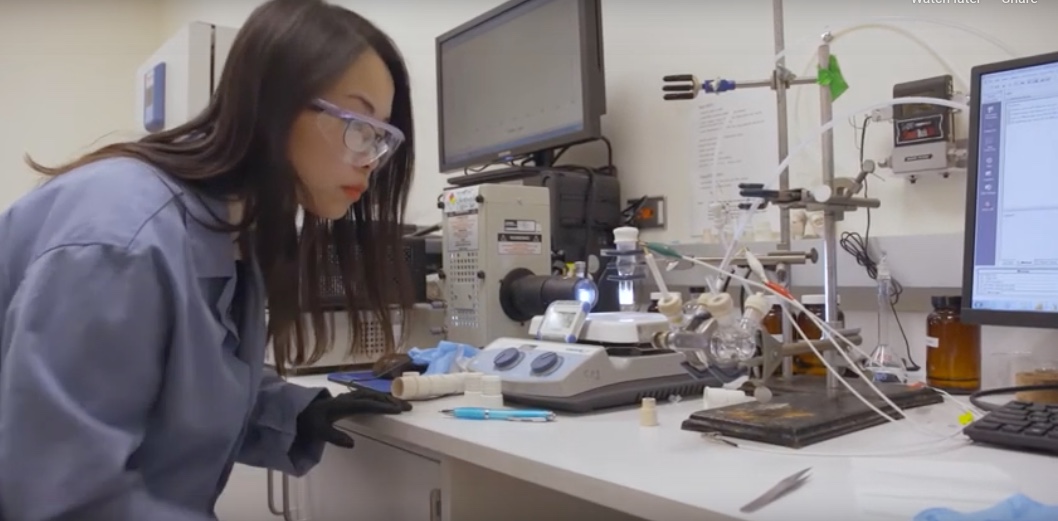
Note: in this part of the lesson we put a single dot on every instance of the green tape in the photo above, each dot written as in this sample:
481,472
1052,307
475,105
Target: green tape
663,250
832,77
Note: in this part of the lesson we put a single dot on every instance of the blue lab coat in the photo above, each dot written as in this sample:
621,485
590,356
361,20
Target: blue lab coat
127,390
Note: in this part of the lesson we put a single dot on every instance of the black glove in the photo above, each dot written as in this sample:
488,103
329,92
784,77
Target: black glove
317,420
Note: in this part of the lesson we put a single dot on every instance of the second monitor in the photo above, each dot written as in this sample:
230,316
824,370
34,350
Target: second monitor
1010,268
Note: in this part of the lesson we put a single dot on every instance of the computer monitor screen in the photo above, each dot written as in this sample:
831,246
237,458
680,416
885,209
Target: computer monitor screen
1011,259
524,77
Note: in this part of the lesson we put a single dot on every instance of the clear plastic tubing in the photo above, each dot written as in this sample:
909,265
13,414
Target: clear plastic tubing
837,33
886,22
744,219
908,19
823,129
881,21
656,273
960,79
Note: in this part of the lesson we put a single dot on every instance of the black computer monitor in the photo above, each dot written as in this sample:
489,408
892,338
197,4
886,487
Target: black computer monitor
522,79
1010,262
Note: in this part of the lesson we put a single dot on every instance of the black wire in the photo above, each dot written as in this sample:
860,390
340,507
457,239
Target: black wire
560,151
523,160
858,246
609,152
478,169
589,214
866,187
909,364
975,398
742,289
588,217
628,214
589,207
727,280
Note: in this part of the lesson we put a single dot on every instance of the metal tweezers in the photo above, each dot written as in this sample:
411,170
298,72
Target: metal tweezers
781,489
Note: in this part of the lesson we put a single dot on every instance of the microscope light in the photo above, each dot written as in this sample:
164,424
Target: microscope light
524,294
585,291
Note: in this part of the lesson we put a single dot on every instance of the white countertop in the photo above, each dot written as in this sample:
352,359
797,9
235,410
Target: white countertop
665,473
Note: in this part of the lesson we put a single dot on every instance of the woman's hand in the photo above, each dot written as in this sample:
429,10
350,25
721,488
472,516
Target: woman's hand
317,420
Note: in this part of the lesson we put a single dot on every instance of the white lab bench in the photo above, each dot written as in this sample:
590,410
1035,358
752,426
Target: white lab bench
425,466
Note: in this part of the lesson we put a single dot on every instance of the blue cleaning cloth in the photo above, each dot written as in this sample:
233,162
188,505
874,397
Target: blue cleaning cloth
1014,508
439,360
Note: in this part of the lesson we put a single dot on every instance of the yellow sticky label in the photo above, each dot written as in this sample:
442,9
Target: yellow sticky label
966,418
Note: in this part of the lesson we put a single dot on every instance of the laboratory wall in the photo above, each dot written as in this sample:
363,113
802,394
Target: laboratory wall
67,70
413,25
66,79
656,141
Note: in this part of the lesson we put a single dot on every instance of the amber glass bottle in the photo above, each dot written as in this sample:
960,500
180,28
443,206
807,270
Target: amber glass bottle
810,363
953,349
772,322
655,297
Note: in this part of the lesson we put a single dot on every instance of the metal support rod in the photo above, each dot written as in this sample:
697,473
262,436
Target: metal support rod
802,347
843,204
778,259
770,83
781,81
830,233
783,124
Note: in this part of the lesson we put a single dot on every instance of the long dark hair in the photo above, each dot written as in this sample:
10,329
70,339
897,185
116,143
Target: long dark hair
287,53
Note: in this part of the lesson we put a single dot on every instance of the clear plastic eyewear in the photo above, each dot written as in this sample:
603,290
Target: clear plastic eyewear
367,140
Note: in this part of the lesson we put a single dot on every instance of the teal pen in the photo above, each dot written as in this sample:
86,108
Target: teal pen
481,413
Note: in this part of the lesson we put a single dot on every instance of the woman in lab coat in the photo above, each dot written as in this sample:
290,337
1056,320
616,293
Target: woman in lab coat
133,283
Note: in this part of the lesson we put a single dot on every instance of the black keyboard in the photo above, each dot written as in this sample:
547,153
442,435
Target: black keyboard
1018,426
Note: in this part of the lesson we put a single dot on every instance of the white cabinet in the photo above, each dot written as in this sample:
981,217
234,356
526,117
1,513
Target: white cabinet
384,480
375,480
473,493
245,498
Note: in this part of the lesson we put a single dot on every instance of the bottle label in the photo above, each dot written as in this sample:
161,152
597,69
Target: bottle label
932,341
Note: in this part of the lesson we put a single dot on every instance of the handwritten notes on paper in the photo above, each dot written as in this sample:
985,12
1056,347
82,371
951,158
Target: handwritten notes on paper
735,141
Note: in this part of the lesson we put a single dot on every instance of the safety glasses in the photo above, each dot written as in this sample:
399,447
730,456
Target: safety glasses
368,141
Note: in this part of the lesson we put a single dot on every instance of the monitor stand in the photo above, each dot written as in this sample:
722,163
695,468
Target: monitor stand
802,412
544,158
541,160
